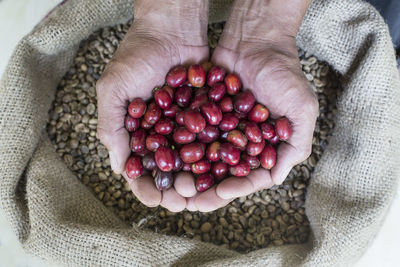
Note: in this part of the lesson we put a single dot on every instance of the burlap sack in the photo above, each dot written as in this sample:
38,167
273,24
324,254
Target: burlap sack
57,218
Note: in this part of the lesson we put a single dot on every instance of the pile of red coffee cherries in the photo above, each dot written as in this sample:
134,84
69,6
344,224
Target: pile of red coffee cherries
201,123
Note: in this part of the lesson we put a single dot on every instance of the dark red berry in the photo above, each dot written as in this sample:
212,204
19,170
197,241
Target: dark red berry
253,161
253,132
268,131
183,136
148,161
215,74
165,159
194,122
283,128
164,126
204,182
228,122
212,152
212,113
183,96
178,162
191,153
208,135
186,167
133,167
201,166
198,101
219,170
163,98
241,169
179,118
226,104
196,75
259,113
268,157
163,180
131,124
237,138
154,141
253,149
233,84
171,111
229,154
217,92
153,113
244,102
137,108
176,76
138,140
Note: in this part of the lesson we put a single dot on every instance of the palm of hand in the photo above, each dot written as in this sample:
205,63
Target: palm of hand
140,64
275,78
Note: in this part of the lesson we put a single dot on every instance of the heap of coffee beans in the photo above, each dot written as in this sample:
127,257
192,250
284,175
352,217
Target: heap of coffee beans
217,128
269,217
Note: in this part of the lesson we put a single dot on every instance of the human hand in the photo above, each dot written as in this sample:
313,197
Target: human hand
163,34
259,44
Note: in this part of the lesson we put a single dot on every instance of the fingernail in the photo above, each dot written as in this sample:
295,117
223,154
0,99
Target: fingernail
114,162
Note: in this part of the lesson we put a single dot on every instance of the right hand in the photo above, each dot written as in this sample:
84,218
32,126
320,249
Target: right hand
162,35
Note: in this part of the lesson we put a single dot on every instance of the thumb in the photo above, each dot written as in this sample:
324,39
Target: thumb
112,105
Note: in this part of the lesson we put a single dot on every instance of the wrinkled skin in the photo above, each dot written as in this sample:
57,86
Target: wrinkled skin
268,66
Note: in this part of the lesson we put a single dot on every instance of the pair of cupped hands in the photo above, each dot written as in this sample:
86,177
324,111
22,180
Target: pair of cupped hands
266,60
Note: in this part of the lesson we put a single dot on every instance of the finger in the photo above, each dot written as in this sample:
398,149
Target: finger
224,57
145,190
110,128
209,200
190,205
184,184
296,150
235,187
172,201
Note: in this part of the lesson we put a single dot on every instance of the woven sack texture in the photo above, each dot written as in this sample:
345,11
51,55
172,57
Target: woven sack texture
56,217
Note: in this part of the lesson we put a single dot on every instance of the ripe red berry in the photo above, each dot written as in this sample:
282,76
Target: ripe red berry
233,84
229,154
217,92
194,122
163,98
219,170
212,113
283,128
131,124
201,166
192,152
138,140
212,152
165,159
204,182
268,157
241,169
259,113
197,75
137,108
176,76
133,167
215,74
154,141
244,102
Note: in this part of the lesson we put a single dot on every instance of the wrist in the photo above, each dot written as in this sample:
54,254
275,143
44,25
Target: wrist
184,20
